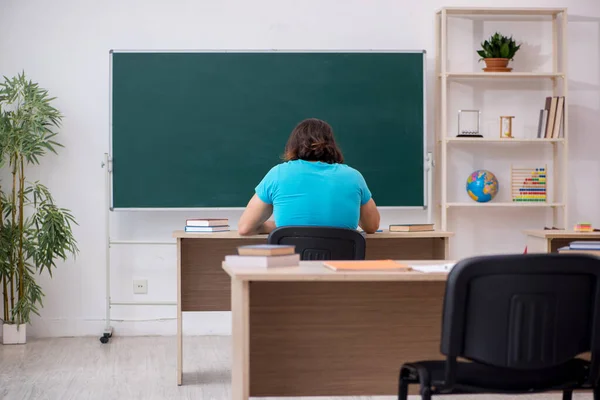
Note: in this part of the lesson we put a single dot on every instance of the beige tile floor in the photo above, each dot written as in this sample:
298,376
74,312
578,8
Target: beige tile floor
130,368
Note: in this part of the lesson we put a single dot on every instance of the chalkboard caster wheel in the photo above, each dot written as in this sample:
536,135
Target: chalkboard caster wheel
106,335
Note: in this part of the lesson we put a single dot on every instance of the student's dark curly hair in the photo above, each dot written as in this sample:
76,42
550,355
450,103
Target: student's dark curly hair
312,140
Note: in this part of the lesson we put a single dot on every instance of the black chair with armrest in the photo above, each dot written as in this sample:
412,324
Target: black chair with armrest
520,322
321,243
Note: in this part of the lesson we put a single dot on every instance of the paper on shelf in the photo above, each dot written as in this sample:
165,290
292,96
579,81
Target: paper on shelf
433,267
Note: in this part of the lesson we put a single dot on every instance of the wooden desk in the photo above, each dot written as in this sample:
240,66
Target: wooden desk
202,285
309,331
549,241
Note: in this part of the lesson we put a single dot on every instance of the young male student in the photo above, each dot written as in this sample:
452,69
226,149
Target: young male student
311,188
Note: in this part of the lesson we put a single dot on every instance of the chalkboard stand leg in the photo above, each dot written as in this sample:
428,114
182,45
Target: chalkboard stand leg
108,330
429,186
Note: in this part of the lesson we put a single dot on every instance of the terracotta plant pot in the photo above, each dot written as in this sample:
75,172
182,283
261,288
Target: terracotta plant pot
496,65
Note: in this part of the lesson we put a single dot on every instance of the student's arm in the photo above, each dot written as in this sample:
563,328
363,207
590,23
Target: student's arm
260,208
254,219
369,217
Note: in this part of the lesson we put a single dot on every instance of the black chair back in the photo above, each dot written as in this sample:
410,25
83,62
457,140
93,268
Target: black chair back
526,312
321,243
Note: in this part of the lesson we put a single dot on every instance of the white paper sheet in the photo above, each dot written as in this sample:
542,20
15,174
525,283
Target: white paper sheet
433,268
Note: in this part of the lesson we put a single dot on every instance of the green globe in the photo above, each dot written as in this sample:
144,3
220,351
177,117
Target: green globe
482,186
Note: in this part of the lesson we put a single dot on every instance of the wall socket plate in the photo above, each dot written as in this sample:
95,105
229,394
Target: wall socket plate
140,286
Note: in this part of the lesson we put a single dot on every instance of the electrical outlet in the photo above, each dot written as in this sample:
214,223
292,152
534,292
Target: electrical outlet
140,286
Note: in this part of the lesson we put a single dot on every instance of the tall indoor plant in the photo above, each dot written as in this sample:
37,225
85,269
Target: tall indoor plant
34,232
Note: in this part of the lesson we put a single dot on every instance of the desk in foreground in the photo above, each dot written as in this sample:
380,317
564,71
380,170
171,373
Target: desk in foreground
310,331
550,240
202,285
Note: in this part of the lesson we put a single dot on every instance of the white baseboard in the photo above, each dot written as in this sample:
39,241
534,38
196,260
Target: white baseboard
194,324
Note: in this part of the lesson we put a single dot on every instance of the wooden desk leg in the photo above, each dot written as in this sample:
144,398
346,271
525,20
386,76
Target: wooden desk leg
538,245
240,374
446,248
179,317
438,249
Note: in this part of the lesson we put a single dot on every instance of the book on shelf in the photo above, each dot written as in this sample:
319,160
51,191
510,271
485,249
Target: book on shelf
558,118
551,118
367,265
411,227
266,250
207,222
541,134
289,260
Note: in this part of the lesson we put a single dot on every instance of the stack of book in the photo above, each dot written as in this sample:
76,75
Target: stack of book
264,256
206,225
585,247
583,227
551,118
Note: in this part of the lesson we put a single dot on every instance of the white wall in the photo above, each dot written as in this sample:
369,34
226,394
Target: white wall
64,46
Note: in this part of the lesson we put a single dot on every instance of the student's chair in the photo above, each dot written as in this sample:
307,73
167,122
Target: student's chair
321,243
520,322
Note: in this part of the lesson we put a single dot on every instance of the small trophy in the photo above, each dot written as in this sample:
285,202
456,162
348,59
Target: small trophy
506,127
468,123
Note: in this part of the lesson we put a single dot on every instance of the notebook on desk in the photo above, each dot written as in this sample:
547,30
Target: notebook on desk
370,265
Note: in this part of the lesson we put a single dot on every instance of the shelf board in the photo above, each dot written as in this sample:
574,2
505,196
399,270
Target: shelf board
505,204
501,11
468,75
503,141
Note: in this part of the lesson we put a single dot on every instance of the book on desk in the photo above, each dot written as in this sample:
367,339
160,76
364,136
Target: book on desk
370,265
411,227
582,247
385,265
264,256
206,225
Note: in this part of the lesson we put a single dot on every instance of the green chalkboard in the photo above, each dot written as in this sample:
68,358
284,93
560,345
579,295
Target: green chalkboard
201,129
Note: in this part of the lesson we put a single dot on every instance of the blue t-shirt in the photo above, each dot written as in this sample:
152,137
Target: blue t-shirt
314,194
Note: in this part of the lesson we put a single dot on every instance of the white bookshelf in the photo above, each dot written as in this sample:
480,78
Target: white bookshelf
508,142
496,75
501,11
446,140
505,204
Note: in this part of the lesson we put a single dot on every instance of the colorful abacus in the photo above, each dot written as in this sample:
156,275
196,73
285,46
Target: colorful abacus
528,184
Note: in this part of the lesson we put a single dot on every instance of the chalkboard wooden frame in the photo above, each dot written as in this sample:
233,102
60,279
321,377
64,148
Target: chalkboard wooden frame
427,167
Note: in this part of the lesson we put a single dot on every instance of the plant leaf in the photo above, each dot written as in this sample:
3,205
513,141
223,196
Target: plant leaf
504,51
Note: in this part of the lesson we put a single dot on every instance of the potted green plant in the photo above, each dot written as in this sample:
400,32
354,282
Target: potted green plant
34,231
497,51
